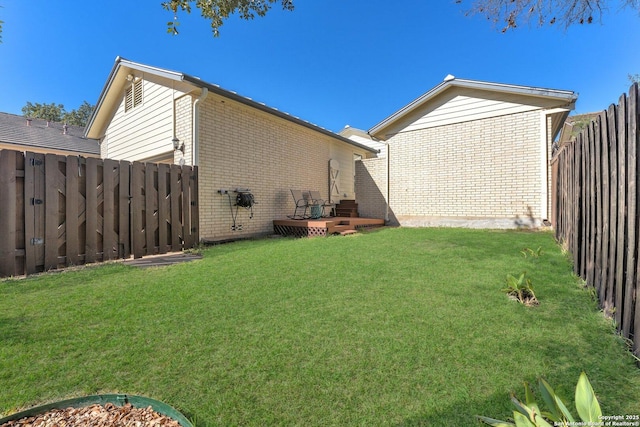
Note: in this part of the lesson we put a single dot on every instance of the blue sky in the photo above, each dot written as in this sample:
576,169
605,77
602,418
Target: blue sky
330,62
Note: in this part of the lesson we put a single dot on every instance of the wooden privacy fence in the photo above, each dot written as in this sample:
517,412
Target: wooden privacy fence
595,196
58,211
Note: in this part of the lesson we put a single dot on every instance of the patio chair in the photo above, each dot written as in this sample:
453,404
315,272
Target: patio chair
302,203
319,201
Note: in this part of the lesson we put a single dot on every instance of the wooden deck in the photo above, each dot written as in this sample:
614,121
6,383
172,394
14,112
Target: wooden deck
323,226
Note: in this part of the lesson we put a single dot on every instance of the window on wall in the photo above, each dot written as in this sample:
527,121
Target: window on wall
133,95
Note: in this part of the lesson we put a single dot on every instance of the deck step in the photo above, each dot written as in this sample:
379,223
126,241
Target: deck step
347,208
341,229
347,232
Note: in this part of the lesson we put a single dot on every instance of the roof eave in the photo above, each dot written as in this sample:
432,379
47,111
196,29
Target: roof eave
270,110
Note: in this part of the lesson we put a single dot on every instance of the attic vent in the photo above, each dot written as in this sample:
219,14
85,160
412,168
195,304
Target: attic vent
133,95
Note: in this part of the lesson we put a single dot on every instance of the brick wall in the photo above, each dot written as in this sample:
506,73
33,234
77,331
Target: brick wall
488,168
243,147
184,119
371,186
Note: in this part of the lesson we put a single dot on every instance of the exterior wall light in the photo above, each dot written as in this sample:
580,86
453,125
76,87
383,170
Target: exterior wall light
177,146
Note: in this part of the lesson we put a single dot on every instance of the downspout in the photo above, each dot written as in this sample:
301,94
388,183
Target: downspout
196,123
387,155
544,165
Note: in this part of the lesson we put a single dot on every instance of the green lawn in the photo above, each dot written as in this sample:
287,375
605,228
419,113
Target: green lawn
395,327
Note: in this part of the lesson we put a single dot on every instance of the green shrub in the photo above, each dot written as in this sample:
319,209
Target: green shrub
521,289
529,414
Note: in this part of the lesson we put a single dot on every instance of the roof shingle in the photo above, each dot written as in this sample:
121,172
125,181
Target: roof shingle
41,134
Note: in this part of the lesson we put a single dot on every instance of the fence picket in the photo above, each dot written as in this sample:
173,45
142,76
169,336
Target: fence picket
195,209
632,220
622,207
176,229
163,208
8,219
91,200
124,210
594,133
73,204
137,210
604,259
613,212
151,206
187,226
109,185
575,247
590,217
634,139
51,207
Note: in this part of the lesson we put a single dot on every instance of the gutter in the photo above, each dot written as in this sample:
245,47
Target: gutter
196,124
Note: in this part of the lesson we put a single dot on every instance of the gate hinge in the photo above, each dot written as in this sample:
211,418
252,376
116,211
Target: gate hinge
37,241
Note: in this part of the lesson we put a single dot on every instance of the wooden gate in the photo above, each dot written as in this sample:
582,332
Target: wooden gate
58,211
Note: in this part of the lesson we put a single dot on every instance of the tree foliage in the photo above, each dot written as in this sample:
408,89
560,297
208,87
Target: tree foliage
79,117
49,112
511,13
56,113
218,10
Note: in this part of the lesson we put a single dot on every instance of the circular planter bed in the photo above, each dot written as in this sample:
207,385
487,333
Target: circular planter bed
100,411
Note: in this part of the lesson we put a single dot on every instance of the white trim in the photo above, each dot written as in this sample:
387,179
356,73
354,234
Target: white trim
544,173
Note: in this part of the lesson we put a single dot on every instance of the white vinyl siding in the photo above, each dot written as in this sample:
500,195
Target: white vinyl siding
465,109
145,131
459,106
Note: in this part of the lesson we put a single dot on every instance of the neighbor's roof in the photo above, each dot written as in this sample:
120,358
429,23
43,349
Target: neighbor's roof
122,65
574,124
565,97
37,133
